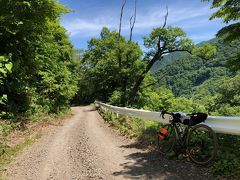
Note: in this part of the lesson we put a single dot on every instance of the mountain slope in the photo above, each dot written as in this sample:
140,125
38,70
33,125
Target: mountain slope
183,75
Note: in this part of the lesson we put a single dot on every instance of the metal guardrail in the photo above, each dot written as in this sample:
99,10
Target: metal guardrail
220,124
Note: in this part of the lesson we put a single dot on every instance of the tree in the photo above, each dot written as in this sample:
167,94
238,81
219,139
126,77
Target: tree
229,11
163,41
5,68
41,78
228,97
184,72
133,21
101,71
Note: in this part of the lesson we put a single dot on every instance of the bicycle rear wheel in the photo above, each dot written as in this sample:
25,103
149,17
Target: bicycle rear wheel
166,144
202,144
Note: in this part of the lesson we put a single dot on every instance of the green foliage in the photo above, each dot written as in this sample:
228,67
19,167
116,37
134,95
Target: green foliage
228,99
163,99
228,11
171,38
156,100
207,83
5,68
183,104
228,162
43,77
206,51
115,98
230,33
182,76
5,129
114,68
110,64
144,131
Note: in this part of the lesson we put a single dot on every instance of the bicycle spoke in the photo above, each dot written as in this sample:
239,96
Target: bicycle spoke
202,144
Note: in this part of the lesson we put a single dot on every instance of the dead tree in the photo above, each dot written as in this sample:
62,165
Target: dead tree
121,15
165,19
132,24
124,80
155,58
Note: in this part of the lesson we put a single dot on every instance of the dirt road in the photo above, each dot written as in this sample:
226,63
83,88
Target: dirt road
84,147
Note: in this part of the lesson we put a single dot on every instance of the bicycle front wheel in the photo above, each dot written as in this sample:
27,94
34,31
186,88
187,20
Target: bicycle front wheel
202,144
166,144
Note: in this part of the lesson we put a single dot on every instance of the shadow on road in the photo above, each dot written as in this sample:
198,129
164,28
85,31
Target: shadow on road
89,110
151,165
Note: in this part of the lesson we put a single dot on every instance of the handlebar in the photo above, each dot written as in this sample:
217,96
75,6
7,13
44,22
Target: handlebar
195,118
175,116
165,112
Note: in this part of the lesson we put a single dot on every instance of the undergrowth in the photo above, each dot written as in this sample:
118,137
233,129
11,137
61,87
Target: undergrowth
26,130
144,131
226,165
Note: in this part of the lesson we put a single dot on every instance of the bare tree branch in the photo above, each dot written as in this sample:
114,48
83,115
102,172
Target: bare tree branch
131,22
134,21
121,15
159,38
159,43
165,18
177,50
184,50
151,84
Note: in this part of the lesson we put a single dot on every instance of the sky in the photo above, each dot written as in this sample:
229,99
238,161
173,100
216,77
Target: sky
88,17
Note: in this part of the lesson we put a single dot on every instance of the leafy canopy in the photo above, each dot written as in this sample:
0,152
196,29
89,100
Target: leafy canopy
43,76
228,11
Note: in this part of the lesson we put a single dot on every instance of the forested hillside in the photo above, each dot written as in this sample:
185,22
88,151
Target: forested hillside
204,81
183,73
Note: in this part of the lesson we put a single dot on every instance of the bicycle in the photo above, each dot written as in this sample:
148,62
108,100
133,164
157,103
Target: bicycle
197,139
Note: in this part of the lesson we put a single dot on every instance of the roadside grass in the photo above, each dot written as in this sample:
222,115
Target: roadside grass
227,163
17,134
225,166
145,131
11,152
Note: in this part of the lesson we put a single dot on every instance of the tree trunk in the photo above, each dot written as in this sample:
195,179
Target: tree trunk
134,21
121,15
139,81
123,101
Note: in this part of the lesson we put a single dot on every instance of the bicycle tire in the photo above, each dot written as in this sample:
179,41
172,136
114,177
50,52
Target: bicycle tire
167,144
202,144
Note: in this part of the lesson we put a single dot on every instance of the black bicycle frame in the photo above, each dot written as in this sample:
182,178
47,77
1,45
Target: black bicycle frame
181,134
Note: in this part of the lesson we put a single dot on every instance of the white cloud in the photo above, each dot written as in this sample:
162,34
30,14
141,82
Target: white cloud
187,18
85,27
176,16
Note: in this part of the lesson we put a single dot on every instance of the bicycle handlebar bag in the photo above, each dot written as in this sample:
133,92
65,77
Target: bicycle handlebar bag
197,118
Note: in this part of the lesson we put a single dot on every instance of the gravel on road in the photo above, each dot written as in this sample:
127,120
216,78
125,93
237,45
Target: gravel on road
85,147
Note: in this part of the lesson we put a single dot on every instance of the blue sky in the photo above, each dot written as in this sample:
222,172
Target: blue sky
89,16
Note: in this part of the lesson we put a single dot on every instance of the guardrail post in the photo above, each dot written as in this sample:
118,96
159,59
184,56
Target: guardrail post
117,116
